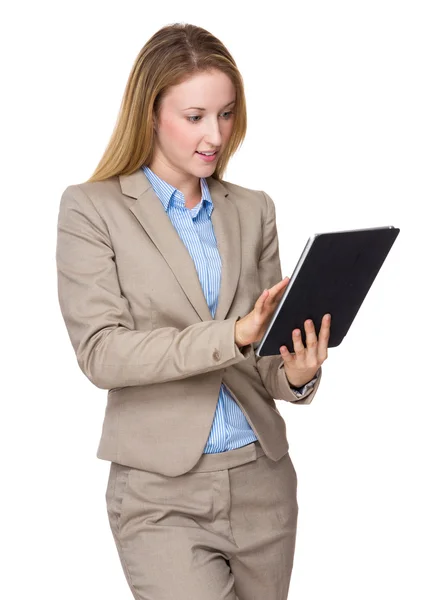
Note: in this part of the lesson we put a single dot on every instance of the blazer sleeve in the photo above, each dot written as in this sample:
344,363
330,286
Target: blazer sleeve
271,368
109,350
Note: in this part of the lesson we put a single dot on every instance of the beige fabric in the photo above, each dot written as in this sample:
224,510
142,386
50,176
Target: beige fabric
223,531
141,328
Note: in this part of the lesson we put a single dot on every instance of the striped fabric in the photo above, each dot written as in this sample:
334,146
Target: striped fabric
230,428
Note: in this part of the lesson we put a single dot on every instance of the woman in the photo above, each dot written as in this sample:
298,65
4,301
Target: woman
162,267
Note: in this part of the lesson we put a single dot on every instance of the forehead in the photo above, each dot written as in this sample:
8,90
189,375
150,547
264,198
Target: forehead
208,89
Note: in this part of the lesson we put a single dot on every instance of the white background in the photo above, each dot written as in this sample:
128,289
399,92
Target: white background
335,99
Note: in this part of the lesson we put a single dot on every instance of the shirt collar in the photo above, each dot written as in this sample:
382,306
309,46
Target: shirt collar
167,193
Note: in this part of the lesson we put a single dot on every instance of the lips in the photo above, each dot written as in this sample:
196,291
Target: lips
207,159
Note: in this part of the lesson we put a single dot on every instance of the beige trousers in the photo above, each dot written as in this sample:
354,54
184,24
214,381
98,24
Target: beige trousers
225,530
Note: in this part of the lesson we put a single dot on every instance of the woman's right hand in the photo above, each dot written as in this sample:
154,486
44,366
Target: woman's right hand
251,328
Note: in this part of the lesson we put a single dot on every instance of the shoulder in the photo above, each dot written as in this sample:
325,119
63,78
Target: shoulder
240,190
249,197
92,197
93,190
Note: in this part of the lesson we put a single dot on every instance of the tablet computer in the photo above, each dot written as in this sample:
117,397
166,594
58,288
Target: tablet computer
333,275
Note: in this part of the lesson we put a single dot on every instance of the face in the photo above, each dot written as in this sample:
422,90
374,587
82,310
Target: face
196,115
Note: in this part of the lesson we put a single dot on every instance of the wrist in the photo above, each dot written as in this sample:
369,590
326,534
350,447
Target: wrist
300,383
237,338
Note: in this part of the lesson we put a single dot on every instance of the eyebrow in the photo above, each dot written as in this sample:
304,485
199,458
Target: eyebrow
198,107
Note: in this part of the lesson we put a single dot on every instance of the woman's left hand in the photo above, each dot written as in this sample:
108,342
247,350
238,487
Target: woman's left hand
301,365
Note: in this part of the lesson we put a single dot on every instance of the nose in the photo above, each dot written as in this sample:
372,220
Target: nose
212,134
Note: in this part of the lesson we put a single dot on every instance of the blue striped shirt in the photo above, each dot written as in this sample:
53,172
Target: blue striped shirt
230,428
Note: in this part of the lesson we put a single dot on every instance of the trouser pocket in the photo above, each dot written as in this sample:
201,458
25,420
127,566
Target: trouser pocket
115,493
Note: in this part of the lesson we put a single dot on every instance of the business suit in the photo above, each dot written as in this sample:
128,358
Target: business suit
141,328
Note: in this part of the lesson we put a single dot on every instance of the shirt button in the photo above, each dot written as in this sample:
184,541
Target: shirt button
216,354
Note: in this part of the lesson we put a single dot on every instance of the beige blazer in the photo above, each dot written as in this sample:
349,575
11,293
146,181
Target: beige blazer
141,328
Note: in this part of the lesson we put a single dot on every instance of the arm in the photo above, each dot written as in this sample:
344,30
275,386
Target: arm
300,391
271,368
109,350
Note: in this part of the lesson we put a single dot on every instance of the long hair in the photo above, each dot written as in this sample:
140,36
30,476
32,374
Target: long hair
173,54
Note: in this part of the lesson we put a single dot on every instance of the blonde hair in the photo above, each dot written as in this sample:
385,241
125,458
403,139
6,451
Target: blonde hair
172,55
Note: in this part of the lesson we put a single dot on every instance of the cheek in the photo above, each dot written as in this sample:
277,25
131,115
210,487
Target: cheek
227,130
179,134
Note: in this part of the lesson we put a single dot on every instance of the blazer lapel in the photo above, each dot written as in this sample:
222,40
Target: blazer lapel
226,226
149,211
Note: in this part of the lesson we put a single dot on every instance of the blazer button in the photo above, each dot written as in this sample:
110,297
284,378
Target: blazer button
216,354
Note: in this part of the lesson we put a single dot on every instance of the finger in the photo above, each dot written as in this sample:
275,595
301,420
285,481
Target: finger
284,282
278,290
286,355
260,302
324,336
311,338
280,285
298,346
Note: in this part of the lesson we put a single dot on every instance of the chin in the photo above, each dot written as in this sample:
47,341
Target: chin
200,170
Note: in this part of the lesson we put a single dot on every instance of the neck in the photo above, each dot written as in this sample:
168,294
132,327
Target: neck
187,184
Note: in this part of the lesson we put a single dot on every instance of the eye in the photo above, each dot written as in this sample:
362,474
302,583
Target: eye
228,113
